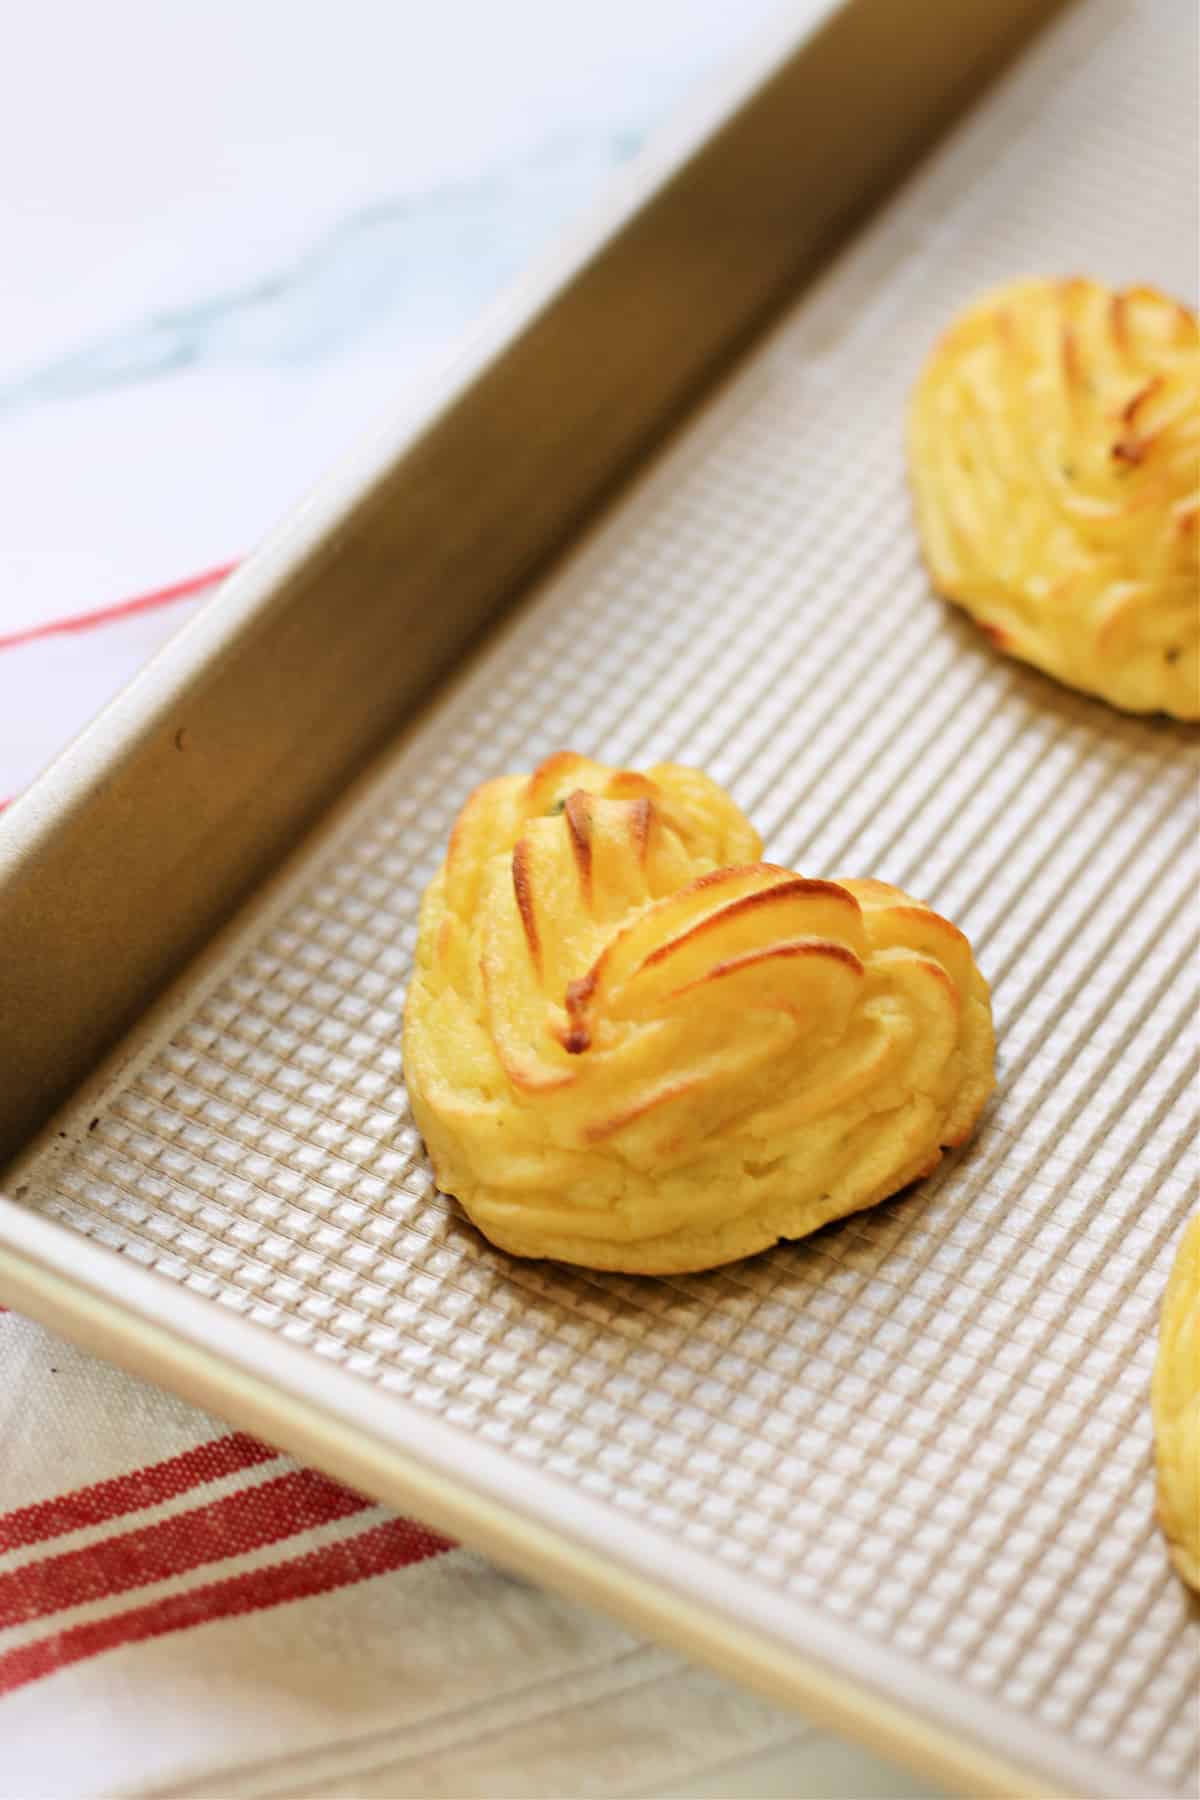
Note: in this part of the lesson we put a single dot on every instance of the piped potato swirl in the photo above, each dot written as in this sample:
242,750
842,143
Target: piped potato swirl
631,1044
1175,1401
1054,453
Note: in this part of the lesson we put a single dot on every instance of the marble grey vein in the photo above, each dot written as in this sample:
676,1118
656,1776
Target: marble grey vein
421,265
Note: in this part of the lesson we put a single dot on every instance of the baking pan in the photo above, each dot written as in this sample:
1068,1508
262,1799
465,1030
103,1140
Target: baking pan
899,1474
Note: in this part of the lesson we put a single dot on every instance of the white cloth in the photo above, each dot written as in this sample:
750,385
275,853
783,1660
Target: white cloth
437,1676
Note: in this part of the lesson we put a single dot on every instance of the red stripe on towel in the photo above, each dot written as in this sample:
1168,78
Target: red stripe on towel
393,1545
119,609
148,1486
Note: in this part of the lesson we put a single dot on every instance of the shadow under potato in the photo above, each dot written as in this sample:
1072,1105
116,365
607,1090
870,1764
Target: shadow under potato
1045,696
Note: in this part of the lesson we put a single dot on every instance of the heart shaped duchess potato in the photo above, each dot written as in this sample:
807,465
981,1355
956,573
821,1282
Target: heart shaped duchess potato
630,1044
1054,451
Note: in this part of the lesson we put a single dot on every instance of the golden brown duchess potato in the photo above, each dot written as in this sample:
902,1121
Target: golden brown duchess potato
1175,1399
1054,452
631,1044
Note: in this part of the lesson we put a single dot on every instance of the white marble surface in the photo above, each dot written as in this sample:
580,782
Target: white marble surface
235,231
243,225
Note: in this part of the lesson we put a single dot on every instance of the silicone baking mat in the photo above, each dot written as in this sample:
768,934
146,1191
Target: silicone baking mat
931,1420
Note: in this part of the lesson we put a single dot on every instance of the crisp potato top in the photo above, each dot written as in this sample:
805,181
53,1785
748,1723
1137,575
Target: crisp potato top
1054,442
1175,1398
629,1043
